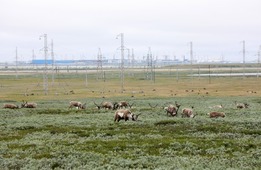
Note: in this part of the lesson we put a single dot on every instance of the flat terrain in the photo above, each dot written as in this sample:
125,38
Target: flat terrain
52,136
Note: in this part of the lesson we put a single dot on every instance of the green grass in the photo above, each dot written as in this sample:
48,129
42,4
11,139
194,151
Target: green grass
58,136
52,136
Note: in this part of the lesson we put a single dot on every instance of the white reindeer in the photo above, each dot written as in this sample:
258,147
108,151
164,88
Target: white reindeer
125,114
77,104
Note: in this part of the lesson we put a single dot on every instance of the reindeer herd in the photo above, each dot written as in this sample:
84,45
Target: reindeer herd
123,109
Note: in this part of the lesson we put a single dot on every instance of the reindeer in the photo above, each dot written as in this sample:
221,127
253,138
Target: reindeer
123,104
216,114
77,104
28,105
10,106
107,105
172,110
186,112
125,114
217,106
241,105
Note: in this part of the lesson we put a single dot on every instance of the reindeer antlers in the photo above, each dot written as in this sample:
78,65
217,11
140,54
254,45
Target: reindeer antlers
153,106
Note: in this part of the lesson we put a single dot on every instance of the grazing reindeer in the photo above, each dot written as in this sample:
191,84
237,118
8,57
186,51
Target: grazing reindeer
123,104
77,104
10,106
241,105
28,105
125,114
188,113
172,110
216,114
217,106
107,105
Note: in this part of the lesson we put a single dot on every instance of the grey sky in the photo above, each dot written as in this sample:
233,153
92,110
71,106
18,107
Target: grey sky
79,27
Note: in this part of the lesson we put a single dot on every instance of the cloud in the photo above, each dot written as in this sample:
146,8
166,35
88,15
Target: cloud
81,27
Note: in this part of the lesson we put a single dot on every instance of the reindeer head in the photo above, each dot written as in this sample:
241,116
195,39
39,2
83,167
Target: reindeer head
23,104
83,106
98,106
135,117
115,106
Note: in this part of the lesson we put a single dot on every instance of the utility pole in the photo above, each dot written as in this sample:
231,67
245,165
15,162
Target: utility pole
132,58
191,53
86,75
191,58
259,54
244,56
129,60
33,58
52,54
16,63
99,65
45,75
244,52
121,35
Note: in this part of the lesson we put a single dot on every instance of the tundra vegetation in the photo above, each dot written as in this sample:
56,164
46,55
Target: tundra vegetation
51,136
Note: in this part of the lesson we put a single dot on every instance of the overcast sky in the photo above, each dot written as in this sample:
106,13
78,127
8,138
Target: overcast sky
80,27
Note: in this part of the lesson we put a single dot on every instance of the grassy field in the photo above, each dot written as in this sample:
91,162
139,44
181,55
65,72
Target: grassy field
52,136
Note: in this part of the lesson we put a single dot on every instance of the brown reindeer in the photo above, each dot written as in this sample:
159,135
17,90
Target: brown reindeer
107,105
172,110
28,105
10,106
216,114
186,112
125,114
123,104
77,104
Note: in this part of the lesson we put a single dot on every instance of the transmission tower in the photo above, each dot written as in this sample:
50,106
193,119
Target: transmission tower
149,65
99,65
45,74
121,35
